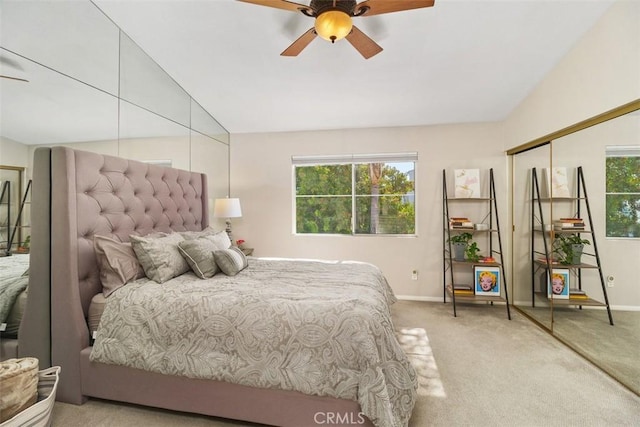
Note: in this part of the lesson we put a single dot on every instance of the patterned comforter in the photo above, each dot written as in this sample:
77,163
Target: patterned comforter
12,281
321,328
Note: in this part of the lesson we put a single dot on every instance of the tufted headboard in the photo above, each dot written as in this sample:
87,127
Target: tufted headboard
94,194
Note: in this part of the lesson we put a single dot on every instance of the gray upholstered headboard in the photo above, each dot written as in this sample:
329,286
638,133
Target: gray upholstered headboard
110,196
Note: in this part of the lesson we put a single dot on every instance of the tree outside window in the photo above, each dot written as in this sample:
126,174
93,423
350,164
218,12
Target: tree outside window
623,192
355,198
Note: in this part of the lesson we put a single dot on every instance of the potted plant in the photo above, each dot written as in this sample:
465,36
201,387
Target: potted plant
569,248
24,247
464,246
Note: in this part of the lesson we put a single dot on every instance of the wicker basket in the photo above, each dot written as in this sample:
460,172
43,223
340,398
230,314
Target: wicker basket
18,385
39,414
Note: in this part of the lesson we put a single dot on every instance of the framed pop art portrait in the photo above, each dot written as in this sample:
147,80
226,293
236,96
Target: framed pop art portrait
487,280
558,286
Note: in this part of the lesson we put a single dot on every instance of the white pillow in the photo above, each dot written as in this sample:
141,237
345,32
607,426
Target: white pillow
221,239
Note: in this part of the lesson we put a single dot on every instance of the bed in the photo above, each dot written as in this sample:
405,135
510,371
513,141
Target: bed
13,300
95,195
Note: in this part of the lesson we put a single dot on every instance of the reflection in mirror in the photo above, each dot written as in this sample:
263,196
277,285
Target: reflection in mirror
11,229
144,83
75,38
614,348
202,122
148,136
529,277
211,157
53,109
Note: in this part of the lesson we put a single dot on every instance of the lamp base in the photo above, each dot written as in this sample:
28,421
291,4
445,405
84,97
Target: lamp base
228,230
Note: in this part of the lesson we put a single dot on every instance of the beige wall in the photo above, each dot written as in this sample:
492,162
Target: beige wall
13,153
261,176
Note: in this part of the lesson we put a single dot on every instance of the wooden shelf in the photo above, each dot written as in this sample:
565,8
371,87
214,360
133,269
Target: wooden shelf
546,265
564,302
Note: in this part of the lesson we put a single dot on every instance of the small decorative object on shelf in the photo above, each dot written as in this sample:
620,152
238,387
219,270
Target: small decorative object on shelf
568,224
460,223
245,250
467,183
577,294
461,244
487,280
557,182
569,248
559,285
463,290
24,247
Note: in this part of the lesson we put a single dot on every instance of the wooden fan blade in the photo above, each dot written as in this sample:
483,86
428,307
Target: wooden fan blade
278,4
363,43
14,78
378,7
302,42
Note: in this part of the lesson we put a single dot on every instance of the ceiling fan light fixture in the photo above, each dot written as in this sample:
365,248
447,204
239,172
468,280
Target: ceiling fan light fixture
333,25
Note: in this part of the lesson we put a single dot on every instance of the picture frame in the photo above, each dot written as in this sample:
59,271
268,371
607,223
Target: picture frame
557,182
467,183
559,283
487,280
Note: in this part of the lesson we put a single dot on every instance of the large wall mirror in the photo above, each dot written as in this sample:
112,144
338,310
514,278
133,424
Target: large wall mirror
593,168
89,86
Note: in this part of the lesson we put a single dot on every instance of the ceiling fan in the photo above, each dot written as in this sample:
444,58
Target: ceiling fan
333,20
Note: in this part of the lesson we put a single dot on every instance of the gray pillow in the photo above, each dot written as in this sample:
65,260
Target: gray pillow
231,261
199,256
160,257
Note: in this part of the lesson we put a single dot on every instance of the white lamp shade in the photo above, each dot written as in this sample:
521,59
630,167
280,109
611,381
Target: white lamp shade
227,208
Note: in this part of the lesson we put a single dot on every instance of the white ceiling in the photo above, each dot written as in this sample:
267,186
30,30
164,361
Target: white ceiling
459,61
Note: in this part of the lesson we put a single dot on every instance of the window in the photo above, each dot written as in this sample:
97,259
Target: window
356,194
623,191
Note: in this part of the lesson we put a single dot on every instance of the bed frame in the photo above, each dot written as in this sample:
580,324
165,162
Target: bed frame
97,194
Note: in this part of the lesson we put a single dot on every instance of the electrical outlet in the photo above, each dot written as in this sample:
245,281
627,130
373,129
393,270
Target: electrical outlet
414,275
610,281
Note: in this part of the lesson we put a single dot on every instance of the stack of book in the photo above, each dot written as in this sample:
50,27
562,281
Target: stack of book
575,293
460,223
569,224
463,290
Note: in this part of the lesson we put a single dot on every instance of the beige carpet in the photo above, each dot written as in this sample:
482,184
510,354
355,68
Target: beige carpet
478,369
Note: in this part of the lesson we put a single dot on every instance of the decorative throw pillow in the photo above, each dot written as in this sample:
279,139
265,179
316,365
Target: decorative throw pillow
231,261
190,235
117,263
199,256
160,257
221,239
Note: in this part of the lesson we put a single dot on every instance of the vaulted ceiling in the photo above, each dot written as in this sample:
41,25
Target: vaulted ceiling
458,61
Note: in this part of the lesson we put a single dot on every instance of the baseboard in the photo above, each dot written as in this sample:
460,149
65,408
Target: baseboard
419,298
527,304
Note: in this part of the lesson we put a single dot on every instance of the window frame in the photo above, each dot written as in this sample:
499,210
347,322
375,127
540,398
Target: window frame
618,151
353,160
